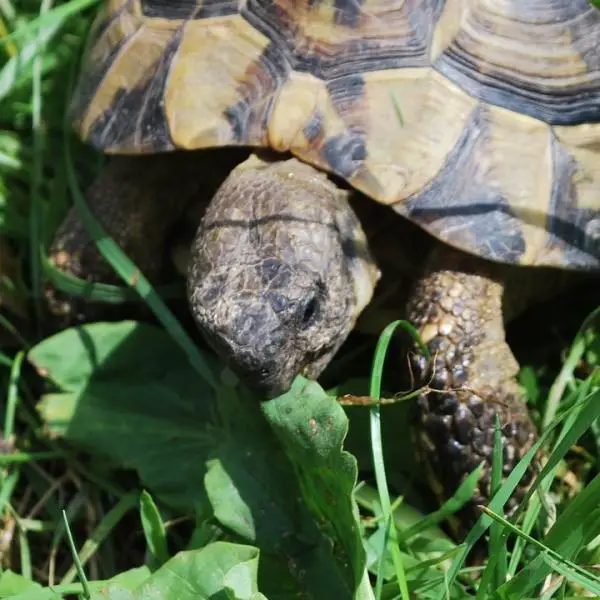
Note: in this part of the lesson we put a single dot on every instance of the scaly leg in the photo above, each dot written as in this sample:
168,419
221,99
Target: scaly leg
138,200
457,307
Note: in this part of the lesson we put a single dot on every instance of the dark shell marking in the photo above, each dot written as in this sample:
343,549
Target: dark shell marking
489,95
167,9
529,76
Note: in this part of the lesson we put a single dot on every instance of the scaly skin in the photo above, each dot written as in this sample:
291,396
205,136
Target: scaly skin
268,216
457,307
139,201
279,272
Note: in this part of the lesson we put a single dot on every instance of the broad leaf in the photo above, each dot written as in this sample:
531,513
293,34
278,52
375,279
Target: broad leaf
222,570
129,393
296,504
275,473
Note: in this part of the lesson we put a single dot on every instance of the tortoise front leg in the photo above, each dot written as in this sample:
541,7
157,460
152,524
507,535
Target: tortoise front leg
457,307
140,202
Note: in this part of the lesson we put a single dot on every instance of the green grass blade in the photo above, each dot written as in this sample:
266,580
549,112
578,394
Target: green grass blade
578,525
496,504
27,54
587,411
13,396
154,530
377,451
100,533
28,457
492,575
102,292
25,554
37,167
127,270
497,545
553,559
460,497
57,16
7,487
566,373
79,567
6,324
535,505
576,575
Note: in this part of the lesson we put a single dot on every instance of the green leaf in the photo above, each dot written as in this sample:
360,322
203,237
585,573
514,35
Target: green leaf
154,529
129,393
13,585
221,570
17,587
577,526
297,507
312,428
128,271
132,578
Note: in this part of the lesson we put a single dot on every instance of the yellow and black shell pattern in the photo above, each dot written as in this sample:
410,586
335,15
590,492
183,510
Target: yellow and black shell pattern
477,119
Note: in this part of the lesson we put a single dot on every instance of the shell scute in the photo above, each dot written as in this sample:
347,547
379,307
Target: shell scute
478,120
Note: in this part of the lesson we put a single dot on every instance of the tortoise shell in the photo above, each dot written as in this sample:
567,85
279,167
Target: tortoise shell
477,119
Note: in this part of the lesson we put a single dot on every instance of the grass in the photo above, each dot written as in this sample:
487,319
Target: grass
102,487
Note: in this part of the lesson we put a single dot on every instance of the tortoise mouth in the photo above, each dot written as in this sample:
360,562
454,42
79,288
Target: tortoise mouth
266,373
266,381
269,388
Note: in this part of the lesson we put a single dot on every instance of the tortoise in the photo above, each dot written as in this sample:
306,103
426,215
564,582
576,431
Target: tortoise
478,121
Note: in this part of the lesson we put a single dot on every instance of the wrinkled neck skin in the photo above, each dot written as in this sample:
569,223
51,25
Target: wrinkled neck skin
279,272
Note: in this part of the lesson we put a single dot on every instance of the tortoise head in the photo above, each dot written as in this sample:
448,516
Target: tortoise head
278,273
